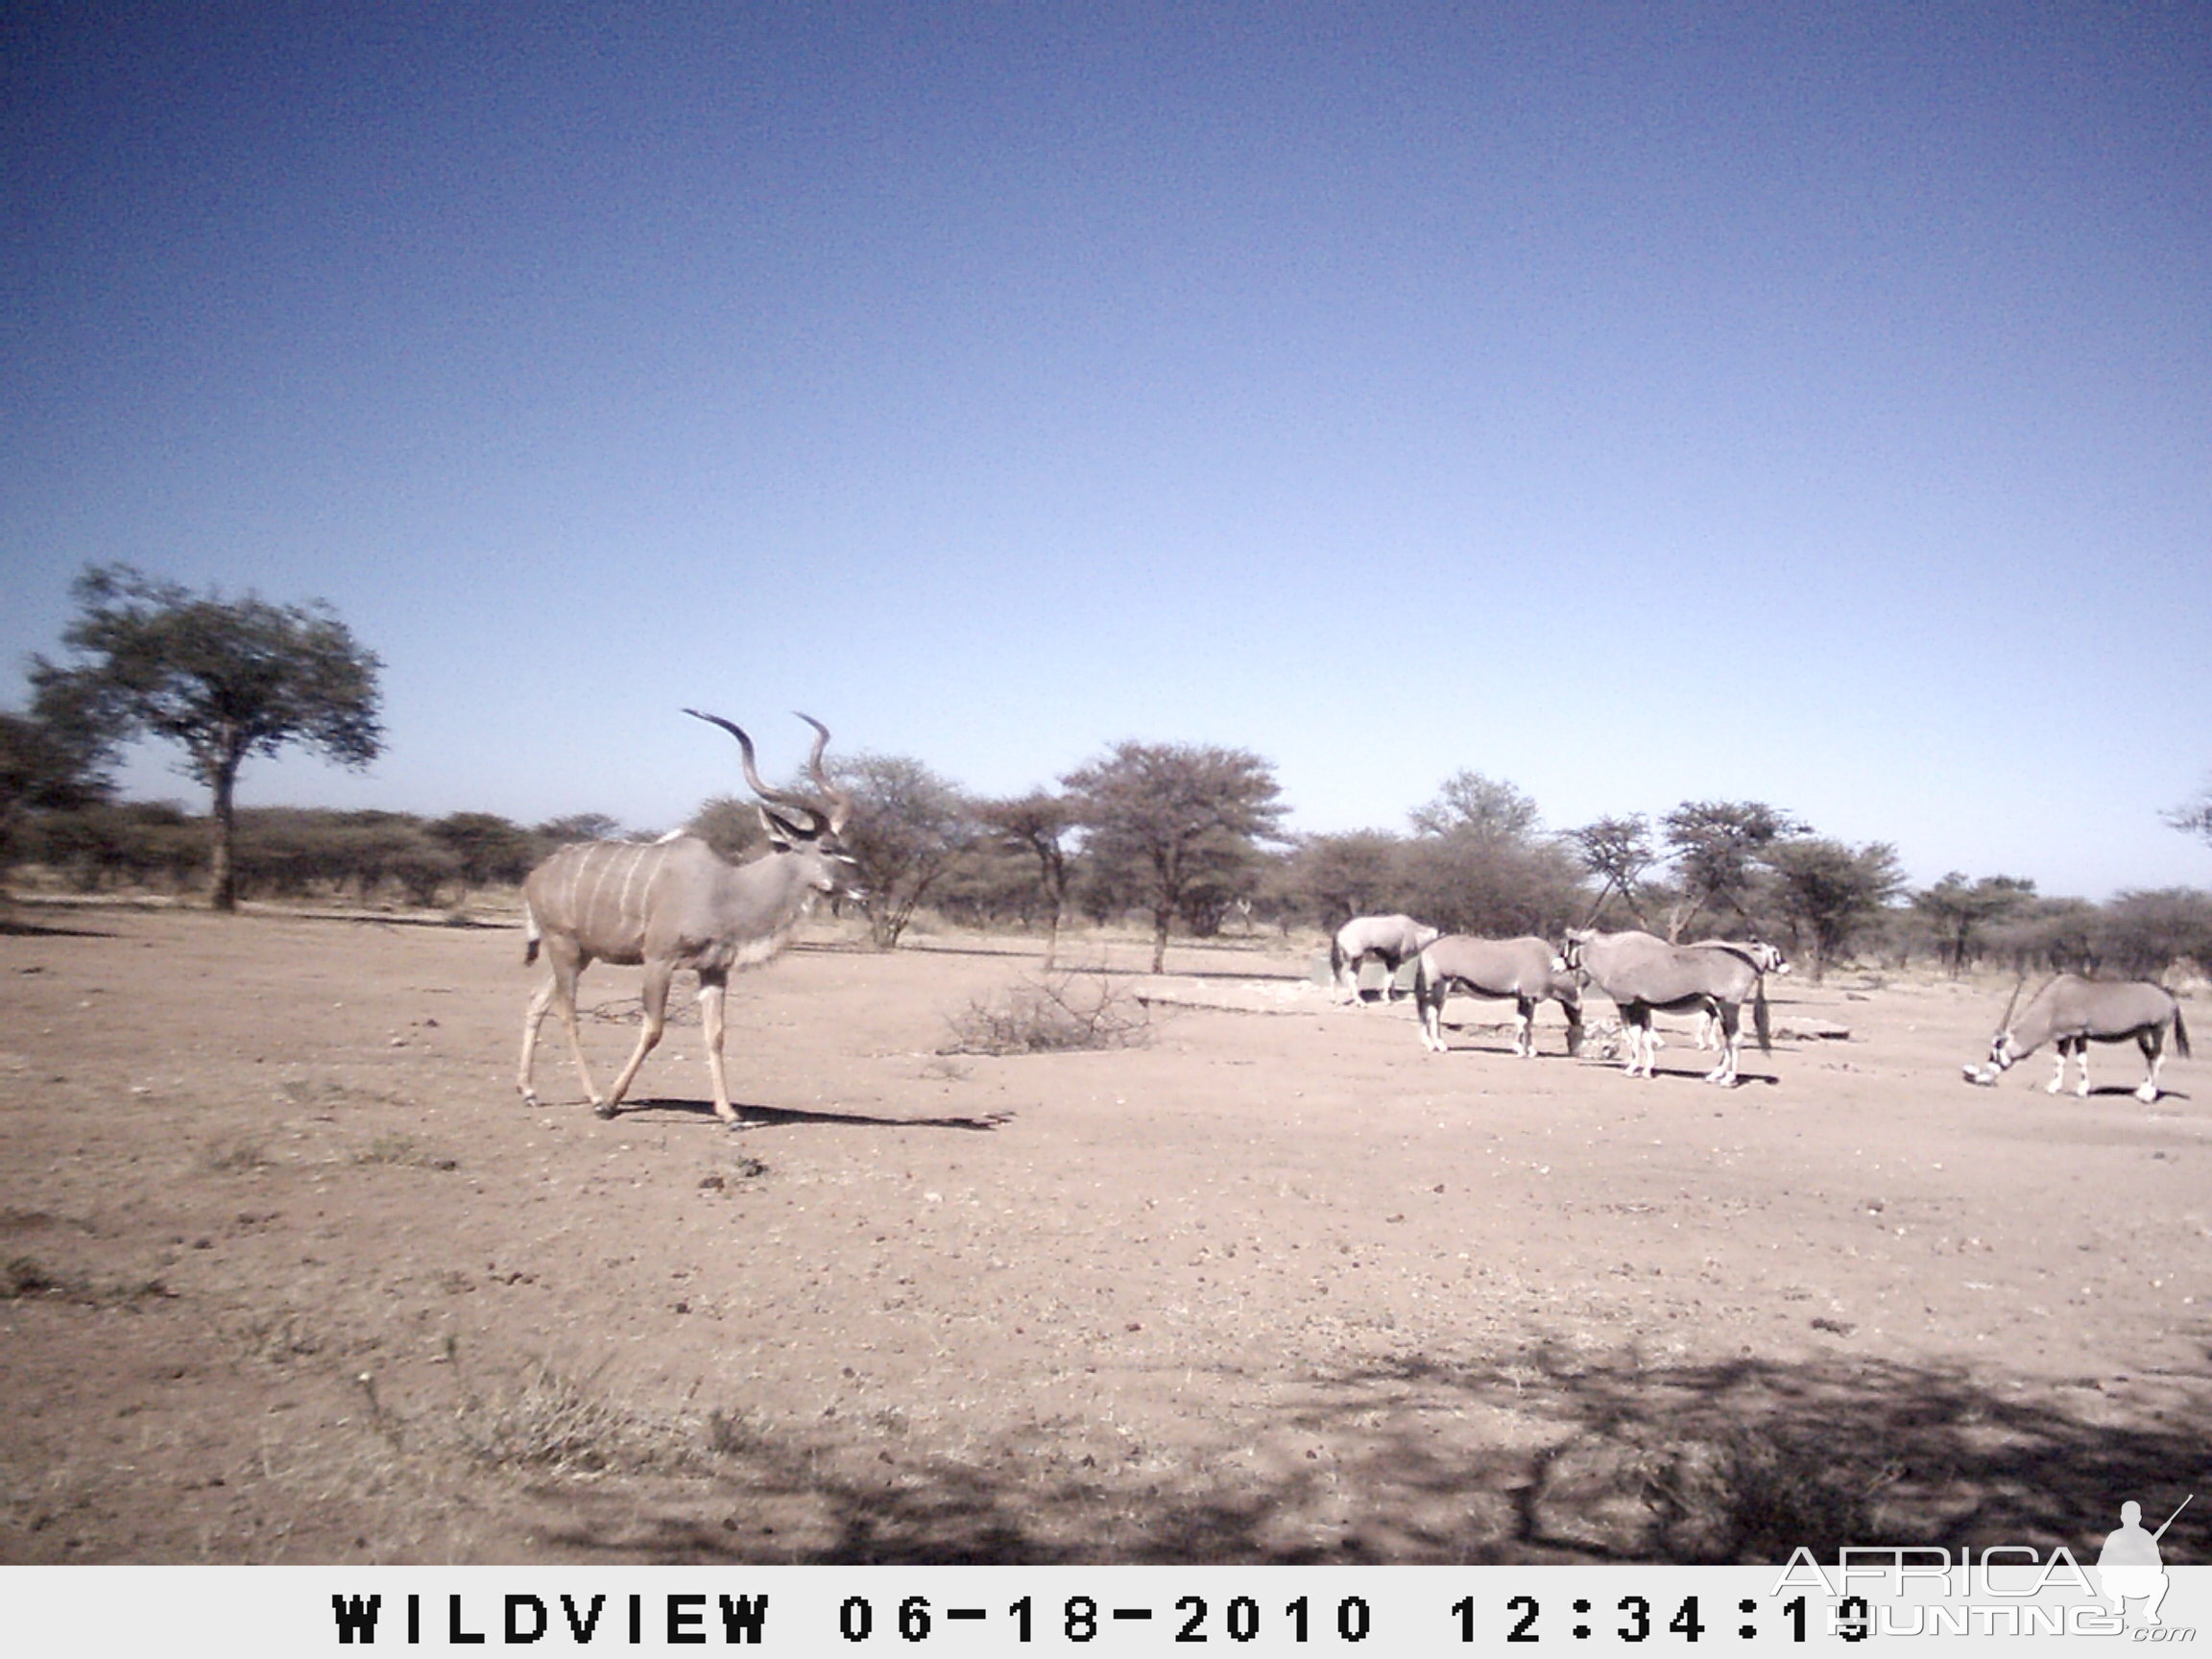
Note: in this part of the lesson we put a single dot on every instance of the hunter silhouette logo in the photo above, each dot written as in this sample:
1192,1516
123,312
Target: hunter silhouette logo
2130,1566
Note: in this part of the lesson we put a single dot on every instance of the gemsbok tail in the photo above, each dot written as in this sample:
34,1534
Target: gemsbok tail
1760,1022
2180,1032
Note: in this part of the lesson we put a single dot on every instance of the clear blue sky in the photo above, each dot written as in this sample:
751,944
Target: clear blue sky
1809,403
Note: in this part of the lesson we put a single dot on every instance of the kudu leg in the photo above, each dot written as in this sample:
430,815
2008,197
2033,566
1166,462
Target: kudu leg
711,994
559,992
654,1020
539,1001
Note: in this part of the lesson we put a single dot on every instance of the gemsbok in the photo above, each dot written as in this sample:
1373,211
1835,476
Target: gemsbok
1395,940
1527,970
2074,1011
1762,956
1644,974
674,903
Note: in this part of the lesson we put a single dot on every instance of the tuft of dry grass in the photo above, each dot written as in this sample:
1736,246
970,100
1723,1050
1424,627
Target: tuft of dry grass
24,1277
402,1149
556,1424
236,1155
1057,1013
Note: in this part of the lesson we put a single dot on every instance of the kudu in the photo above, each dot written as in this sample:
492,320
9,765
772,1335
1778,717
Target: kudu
674,903
1527,970
1394,939
2074,1011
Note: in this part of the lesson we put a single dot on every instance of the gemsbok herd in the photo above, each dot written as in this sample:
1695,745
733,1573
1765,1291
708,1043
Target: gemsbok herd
677,904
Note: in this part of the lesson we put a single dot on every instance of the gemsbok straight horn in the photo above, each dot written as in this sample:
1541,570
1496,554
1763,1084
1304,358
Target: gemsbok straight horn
674,903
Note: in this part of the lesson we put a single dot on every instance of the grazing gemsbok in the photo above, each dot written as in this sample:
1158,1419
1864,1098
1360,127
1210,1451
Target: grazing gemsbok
1643,975
1395,939
1762,956
1527,970
2074,1011
674,903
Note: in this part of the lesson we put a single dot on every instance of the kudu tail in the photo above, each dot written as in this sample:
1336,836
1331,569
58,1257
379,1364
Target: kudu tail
530,935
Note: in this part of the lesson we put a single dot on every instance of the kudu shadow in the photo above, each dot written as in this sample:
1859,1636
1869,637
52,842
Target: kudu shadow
751,1116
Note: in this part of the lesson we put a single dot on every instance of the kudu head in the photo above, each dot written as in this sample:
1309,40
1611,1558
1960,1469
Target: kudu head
806,829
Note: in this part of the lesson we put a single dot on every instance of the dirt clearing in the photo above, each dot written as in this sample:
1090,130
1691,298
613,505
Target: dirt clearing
290,1274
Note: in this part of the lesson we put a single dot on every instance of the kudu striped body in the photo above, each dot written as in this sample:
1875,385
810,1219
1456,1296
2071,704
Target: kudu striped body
677,904
1527,970
2073,1012
1645,975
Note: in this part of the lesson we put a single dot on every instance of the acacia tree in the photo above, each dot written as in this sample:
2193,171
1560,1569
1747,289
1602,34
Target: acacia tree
1958,910
1831,891
1481,862
1717,845
1488,810
1356,873
2145,933
908,827
43,768
1037,822
2196,818
1172,815
486,848
1618,850
583,827
224,679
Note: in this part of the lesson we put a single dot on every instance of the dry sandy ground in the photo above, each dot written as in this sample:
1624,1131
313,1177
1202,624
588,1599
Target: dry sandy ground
291,1274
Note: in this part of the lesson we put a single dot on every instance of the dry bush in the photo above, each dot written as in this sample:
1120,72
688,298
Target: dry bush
1051,1015
1754,1496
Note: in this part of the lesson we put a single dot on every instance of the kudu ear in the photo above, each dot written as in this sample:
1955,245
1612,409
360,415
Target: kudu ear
782,835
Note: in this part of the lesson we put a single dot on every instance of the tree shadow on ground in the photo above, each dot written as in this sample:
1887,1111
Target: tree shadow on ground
16,927
1576,1460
